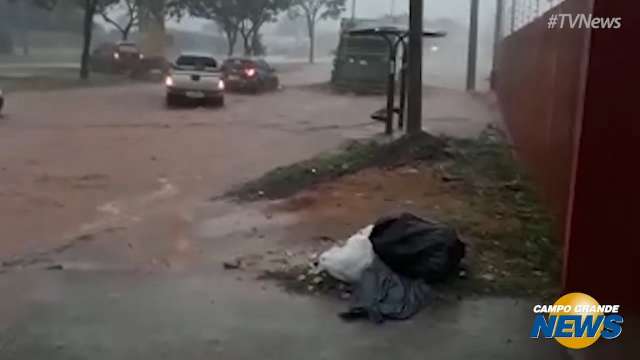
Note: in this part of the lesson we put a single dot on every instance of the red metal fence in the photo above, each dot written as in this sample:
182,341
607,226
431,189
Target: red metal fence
539,79
569,98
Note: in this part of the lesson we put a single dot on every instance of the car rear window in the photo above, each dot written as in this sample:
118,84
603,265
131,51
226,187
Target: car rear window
127,48
237,64
196,62
263,64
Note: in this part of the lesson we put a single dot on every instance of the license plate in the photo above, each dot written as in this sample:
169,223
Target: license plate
234,77
195,94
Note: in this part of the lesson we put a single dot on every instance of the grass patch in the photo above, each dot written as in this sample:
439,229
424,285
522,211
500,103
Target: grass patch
511,233
521,251
288,180
55,79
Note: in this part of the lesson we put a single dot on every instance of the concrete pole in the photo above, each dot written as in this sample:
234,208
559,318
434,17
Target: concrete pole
497,33
497,38
414,113
353,9
513,15
472,54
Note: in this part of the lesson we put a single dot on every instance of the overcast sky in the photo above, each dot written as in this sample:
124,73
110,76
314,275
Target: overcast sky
452,9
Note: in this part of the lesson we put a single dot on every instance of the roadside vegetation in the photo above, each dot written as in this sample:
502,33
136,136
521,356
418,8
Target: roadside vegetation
512,251
46,79
289,180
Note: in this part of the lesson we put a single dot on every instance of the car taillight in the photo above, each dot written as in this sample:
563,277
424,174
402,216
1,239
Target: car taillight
221,84
168,81
250,72
116,56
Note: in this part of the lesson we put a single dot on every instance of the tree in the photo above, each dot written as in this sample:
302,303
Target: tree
239,17
89,8
226,13
161,10
257,13
314,10
128,11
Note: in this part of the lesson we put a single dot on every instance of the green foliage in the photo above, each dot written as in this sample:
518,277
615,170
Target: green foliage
314,10
244,17
288,180
318,9
510,232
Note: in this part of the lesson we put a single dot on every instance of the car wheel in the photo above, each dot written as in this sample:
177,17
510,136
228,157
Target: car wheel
217,101
171,100
258,87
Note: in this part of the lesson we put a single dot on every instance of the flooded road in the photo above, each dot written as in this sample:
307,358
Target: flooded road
111,248
76,162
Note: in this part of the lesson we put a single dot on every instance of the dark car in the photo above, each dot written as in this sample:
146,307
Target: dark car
247,74
119,57
1,100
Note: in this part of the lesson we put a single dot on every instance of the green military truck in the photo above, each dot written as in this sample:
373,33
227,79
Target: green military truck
361,62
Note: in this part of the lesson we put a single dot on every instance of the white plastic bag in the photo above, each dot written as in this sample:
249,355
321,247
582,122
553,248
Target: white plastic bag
348,262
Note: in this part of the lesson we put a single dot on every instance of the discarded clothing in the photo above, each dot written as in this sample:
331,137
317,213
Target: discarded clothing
381,294
348,262
417,248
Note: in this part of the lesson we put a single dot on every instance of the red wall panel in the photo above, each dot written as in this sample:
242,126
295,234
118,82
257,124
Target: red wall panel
539,81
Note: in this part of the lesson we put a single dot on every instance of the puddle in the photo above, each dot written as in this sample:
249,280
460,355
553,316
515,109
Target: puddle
242,219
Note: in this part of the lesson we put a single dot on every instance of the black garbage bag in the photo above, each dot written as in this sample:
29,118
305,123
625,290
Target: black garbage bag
417,248
382,294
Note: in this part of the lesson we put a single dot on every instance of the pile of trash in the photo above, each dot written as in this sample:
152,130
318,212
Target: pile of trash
391,264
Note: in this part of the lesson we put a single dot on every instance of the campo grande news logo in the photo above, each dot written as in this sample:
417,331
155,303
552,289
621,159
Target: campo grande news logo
577,321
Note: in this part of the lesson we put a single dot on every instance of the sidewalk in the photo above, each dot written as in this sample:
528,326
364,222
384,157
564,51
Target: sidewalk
122,315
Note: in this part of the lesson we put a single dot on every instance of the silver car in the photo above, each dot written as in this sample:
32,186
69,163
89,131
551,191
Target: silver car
195,77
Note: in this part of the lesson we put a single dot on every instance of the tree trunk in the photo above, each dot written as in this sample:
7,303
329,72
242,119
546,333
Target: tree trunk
87,32
125,34
246,39
312,41
152,28
232,38
256,44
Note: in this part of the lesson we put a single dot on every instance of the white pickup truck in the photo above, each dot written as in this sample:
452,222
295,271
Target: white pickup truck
196,77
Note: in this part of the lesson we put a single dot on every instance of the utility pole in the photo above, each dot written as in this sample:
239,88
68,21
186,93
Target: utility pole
392,12
513,15
497,32
353,9
472,54
497,38
414,110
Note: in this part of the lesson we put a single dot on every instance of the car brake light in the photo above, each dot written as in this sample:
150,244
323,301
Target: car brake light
116,56
168,81
221,84
250,72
